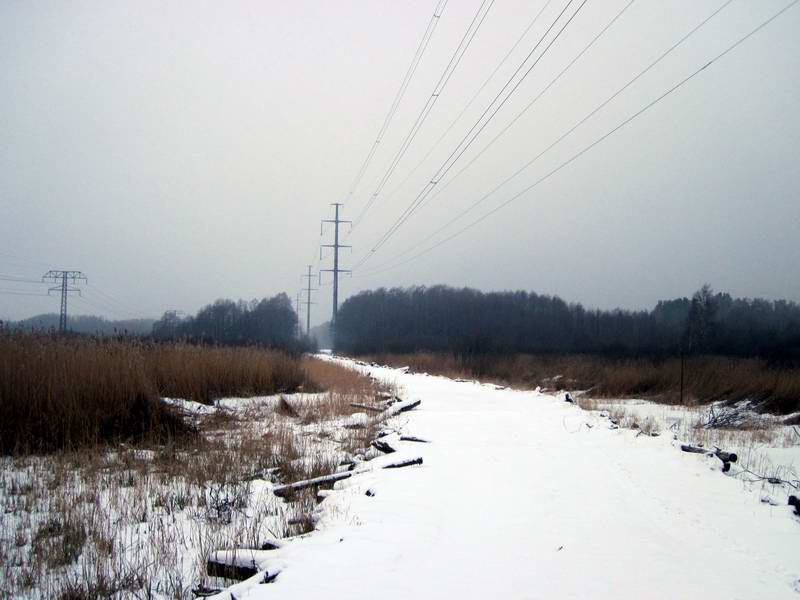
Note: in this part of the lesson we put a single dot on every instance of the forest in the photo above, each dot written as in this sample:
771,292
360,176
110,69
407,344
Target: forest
468,321
268,322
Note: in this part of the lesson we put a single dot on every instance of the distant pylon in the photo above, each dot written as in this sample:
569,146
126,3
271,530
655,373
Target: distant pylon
297,310
308,290
64,278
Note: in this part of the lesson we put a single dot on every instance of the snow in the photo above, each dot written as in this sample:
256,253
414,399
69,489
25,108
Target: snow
518,498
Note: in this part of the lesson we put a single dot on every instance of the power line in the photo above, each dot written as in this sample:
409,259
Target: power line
563,136
476,128
116,302
442,188
412,68
455,59
22,293
18,279
597,141
472,100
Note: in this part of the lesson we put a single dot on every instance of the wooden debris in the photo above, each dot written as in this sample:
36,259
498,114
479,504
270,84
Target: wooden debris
383,446
404,463
400,407
241,564
203,591
411,438
289,488
726,457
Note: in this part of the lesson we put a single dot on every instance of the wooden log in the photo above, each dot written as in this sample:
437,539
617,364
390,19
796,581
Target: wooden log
725,457
401,407
239,573
404,463
289,488
204,591
411,438
367,406
383,446
241,564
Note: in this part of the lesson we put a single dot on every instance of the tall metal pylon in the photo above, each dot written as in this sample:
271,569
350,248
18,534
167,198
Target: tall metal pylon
297,310
64,279
308,291
335,270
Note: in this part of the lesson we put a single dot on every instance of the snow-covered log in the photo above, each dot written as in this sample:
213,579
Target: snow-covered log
383,446
289,488
726,457
272,544
400,407
242,564
403,463
411,438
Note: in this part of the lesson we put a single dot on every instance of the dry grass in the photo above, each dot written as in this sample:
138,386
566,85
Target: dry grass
63,393
707,379
69,392
203,373
139,520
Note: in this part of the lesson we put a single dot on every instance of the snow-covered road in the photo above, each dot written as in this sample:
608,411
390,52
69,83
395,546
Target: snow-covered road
518,498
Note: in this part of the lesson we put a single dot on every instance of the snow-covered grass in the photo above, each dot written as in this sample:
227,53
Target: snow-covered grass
140,520
766,448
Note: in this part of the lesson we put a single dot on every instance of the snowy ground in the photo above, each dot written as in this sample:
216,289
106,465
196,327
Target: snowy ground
522,495
136,522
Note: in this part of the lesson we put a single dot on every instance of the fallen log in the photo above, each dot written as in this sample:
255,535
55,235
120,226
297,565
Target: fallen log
205,592
289,488
367,406
239,573
383,446
404,463
401,407
411,438
241,565
725,457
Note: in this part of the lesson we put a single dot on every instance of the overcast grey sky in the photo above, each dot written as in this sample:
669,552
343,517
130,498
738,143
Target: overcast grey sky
178,152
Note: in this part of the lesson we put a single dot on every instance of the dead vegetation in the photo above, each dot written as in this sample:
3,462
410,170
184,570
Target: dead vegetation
706,379
139,518
69,392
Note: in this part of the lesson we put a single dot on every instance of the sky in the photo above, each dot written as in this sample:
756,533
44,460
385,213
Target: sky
181,152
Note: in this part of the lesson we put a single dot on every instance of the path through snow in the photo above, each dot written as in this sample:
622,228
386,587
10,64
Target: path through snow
518,499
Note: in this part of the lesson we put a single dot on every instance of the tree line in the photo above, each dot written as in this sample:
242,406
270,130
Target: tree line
268,322
442,318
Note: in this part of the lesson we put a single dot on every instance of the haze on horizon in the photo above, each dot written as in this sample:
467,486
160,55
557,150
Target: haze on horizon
182,152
